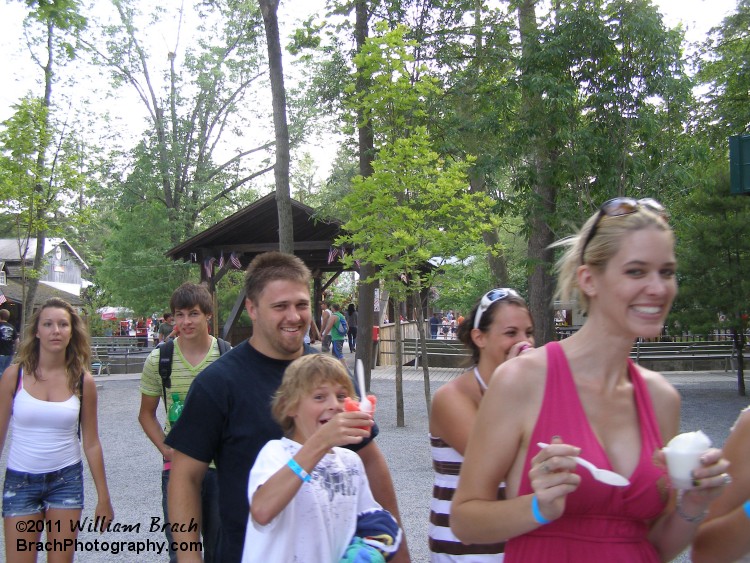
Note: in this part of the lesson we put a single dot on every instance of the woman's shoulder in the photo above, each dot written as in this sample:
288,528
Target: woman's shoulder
459,388
742,425
525,370
658,385
9,379
88,384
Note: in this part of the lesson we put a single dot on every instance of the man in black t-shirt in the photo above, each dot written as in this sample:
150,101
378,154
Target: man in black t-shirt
8,338
227,414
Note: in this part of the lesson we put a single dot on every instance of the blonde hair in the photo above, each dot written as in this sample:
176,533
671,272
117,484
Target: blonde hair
301,377
77,354
600,249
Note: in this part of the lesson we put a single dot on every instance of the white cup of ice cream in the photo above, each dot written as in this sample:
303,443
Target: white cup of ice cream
683,453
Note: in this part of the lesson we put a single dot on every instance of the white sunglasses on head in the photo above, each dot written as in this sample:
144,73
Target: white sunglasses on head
489,298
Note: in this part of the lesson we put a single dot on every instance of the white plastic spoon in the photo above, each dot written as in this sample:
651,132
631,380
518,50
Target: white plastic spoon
603,475
364,403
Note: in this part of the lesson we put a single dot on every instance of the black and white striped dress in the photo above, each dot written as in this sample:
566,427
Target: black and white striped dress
445,547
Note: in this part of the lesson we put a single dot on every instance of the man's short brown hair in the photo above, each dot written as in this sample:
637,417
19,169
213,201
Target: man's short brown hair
188,295
273,266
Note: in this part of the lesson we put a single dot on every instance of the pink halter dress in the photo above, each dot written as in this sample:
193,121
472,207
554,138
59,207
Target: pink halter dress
601,523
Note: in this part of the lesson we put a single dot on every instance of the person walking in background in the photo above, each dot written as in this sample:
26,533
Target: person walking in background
227,415
500,328
141,332
336,331
8,340
724,537
434,326
583,395
166,327
48,398
167,374
351,320
310,499
325,339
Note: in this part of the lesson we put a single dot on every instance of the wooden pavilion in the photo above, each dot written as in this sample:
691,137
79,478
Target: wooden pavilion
233,242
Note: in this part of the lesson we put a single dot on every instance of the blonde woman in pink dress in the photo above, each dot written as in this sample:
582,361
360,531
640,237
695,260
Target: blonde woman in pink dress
584,396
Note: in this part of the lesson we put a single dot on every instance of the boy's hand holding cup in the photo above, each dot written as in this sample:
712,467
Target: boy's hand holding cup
366,405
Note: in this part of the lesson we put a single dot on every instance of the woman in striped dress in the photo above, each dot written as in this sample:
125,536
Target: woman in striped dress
498,328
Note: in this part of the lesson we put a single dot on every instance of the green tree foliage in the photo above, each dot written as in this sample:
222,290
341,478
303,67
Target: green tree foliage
415,205
724,68
557,125
39,196
714,260
460,284
52,30
196,162
712,224
598,118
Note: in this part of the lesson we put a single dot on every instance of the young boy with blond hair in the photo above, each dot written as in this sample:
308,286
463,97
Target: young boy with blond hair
310,499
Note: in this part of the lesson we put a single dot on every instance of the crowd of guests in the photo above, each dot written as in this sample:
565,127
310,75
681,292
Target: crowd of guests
262,439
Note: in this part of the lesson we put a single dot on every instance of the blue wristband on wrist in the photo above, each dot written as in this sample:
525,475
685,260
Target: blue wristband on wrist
746,508
298,471
538,517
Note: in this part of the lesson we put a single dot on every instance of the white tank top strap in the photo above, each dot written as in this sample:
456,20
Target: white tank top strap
482,384
20,379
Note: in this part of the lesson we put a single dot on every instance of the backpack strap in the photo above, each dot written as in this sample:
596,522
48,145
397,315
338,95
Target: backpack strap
166,351
224,346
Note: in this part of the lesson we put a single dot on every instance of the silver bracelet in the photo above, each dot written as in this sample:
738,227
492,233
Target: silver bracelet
692,519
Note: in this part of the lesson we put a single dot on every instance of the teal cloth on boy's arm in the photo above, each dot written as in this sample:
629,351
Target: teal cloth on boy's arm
378,529
359,552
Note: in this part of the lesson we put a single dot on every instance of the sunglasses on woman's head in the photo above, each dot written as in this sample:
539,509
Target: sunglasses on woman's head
489,298
619,206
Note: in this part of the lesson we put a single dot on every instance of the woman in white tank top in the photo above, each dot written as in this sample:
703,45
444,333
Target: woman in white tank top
49,399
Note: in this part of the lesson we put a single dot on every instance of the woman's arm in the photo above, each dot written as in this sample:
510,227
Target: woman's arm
675,528
725,535
8,384
495,452
92,447
452,416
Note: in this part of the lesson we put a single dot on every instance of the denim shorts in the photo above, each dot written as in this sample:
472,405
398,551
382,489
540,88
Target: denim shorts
337,349
33,493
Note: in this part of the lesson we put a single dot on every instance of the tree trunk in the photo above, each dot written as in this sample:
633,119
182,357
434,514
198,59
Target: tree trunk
423,347
365,322
543,204
269,8
399,370
37,216
738,337
366,154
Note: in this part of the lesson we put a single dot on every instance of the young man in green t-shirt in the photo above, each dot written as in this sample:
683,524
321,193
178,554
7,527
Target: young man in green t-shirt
194,349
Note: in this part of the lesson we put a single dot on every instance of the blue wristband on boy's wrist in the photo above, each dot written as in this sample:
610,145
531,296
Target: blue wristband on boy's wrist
536,513
746,508
298,471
